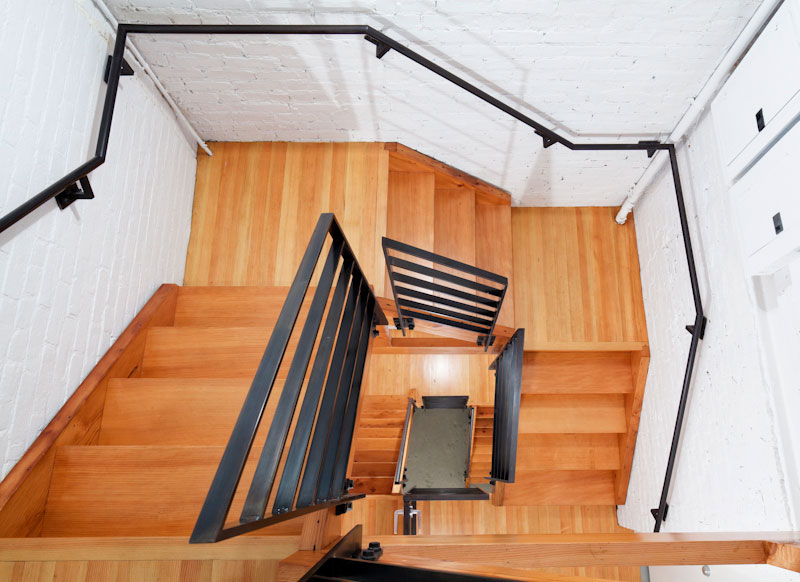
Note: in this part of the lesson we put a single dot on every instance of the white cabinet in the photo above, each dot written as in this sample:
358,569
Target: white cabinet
762,96
770,187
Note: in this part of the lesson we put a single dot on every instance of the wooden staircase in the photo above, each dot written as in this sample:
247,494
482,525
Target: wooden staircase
162,433
575,416
377,443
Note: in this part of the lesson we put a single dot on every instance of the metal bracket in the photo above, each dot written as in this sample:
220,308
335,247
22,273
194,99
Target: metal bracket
409,321
375,332
482,340
547,140
72,193
381,48
690,328
652,151
125,70
654,512
343,508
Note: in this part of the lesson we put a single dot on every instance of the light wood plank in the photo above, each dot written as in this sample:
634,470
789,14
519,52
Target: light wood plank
410,212
561,487
585,549
572,413
576,277
406,159
225,306
541,452
577,373
147,548
129,491
213,352
176,411
784,555
494,250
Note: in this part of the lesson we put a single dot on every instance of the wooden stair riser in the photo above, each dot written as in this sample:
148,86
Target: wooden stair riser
138,491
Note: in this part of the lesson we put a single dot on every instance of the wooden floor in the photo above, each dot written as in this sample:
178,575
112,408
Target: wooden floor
576,278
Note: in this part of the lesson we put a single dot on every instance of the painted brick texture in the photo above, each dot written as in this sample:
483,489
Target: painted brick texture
729,474
70,281
601,69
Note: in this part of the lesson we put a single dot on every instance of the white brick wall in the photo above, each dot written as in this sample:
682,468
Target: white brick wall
729,473
612,67
70,281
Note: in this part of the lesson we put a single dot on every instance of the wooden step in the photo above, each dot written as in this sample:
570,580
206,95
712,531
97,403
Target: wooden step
373,485
379,406
382,432
378,444
541,452
374,469
373,456
232,306
577,373
138,491
561,488
177,411
572,413
483,412
208,352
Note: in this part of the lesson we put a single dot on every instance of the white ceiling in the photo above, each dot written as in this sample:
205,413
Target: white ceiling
616,69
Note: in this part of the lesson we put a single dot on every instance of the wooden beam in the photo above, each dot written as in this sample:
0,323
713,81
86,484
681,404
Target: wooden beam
144,548
784,555
546,551
486,193
23,492
499,493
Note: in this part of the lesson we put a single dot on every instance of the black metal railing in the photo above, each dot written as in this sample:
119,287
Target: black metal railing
470,303
401,456
68,188
352,314
507,393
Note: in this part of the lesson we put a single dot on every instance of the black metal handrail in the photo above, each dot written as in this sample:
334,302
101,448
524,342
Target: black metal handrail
477,305
67,186
398,473
505,421
352,313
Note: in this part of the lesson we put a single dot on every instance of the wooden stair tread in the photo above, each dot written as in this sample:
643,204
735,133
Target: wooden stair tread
374,456
572,413
361,469
373,485
542,452
137,491
225,306
577,373
176,411
208,352
561,488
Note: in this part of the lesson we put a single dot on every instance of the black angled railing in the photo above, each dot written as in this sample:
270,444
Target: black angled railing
507,394
341,351
68,188
455,294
